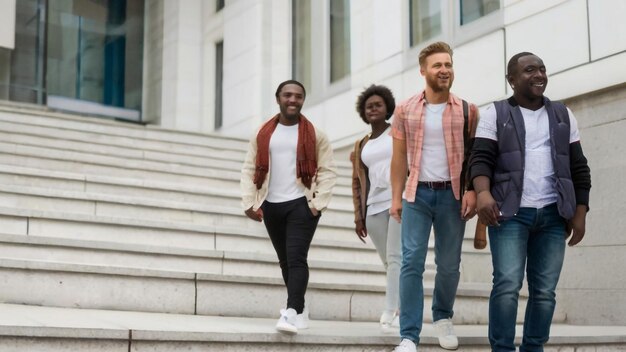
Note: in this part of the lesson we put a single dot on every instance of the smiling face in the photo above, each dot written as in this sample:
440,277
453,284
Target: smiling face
375,109
290,100
438,72
528,79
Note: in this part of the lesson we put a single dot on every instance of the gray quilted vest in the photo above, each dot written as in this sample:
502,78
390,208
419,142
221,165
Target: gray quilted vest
509,171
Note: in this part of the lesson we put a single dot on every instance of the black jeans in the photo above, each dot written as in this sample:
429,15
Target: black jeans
291,226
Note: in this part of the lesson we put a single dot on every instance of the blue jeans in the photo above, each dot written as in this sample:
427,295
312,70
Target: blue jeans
535,239
441,211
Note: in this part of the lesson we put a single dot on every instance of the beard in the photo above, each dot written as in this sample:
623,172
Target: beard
437,86
290,115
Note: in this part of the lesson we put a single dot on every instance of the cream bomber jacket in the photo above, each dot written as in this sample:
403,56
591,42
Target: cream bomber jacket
321,188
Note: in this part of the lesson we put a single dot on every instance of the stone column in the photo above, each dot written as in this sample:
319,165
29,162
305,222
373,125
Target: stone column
182,65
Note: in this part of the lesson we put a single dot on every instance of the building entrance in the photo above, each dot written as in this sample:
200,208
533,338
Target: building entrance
77,55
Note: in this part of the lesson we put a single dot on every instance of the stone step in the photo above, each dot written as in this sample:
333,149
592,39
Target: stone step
222,206
146,188
114,287
127,231
119,133
89,164
31,328
132,187
113,186
59,250
57,139
332,226
93,220
85,163
126,190
62,140
72,161
83,198
117,186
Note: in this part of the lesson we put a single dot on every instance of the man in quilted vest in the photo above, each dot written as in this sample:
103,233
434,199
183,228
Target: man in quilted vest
532,183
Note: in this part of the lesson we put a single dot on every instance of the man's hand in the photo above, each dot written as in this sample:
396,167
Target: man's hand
315,212
396,210
468,205
488,211
255,215
576,225
360,230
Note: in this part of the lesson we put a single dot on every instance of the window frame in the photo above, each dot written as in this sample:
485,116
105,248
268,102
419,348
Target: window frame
218,119
307,80
477,28
348,73
452,32
411,21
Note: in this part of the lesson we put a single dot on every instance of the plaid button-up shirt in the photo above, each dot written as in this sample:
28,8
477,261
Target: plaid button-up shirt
408,125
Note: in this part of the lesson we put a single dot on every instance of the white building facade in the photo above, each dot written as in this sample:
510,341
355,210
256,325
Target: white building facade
212,66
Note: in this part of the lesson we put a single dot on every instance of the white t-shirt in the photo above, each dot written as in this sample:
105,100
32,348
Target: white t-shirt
376,155
283,148
434,161
539,181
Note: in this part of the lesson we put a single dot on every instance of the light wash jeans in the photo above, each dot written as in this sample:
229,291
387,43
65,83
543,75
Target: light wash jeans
534,239
441,211
385,234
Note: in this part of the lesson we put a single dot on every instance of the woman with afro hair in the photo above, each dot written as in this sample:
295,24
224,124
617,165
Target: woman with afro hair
371,191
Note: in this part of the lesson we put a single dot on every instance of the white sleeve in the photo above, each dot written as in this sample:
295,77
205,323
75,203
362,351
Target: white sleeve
574,136
487,124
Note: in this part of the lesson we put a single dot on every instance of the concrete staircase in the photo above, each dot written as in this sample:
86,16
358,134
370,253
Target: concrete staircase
133,236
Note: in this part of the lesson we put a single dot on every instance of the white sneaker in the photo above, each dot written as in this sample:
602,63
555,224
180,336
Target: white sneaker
444,330
386,319
406,345
302,320
286,322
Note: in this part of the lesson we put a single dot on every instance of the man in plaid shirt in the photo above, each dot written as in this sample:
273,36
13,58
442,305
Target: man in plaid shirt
428,145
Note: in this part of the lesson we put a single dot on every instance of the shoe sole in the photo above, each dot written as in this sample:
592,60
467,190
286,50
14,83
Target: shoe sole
449,348
287,330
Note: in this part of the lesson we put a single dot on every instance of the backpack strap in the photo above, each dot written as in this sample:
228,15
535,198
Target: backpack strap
467,148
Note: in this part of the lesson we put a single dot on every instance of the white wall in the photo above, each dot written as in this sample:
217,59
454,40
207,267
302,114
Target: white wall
243,49
182,65
7,24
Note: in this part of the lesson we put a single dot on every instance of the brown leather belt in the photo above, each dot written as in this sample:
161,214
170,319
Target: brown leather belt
436,184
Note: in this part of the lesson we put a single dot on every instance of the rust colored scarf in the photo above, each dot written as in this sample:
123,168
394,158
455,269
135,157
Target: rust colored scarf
306,157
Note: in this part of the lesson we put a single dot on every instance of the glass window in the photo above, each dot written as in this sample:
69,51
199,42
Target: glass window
21,69
95,51
5,73
474,9
425,20
219,75
77,55
339,39
301,42
219,4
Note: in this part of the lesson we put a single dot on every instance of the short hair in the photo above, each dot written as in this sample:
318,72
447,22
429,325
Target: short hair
381,91
434,48
512,65
290,81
